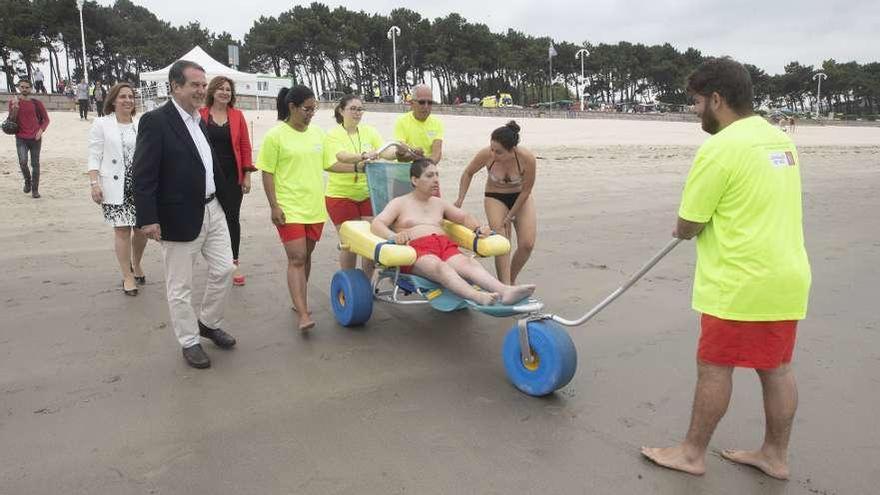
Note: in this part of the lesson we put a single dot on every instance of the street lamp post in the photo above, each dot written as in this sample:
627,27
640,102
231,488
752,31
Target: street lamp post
819,77
583,52
393,33
82,32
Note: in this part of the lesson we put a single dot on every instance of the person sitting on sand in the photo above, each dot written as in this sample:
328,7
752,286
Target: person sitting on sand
416,219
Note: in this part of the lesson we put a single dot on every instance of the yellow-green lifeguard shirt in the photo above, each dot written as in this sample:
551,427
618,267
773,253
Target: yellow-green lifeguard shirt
745,185
349,185
418,134
296,159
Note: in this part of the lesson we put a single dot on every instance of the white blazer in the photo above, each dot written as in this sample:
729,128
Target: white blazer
105,156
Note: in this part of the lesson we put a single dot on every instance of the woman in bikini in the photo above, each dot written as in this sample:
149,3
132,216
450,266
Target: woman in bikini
510,177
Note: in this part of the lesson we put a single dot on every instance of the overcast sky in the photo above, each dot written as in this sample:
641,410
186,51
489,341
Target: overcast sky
766,33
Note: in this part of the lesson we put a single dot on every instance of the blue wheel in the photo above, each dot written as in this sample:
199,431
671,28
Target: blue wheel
555,358
351,297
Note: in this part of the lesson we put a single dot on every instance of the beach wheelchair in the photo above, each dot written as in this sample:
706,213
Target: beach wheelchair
539,356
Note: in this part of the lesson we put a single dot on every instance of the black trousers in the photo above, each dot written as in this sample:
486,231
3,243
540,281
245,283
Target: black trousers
231,202
83,109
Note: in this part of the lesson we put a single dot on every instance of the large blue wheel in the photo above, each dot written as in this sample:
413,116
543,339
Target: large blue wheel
351,297
555,358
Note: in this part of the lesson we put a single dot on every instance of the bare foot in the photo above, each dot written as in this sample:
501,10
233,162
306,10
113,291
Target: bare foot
306,323
675,458
758,459
486,298
517,293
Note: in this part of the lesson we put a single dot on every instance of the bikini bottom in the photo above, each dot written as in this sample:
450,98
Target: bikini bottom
509,199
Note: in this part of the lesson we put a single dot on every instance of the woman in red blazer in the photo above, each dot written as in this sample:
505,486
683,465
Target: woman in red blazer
228,133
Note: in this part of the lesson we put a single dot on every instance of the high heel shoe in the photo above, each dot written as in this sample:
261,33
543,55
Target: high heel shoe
238,279
142,280
129,292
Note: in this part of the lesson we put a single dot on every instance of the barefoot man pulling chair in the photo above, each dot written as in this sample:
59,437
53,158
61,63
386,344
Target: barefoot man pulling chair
742,201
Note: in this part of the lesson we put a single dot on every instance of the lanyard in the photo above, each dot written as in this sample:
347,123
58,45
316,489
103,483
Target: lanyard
359,148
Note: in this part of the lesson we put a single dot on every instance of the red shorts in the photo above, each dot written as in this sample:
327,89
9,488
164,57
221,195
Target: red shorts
438,245
292,231
344,209
746,344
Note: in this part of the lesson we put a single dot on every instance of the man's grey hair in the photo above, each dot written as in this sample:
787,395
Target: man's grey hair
418,87
175,73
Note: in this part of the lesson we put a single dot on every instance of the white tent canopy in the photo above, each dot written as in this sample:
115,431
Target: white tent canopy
244,83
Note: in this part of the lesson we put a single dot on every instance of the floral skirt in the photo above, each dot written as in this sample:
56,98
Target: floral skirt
122,215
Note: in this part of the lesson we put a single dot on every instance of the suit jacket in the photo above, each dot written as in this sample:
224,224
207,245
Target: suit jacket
169,177
105,156
241,142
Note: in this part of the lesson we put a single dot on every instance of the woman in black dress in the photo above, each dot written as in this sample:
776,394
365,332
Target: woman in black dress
228,133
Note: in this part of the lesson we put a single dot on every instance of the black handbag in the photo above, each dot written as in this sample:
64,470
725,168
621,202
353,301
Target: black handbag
10,125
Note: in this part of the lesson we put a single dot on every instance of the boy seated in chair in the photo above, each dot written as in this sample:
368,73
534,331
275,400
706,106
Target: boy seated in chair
417,218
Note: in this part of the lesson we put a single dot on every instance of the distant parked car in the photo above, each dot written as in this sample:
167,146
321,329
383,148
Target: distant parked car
505,100
554,105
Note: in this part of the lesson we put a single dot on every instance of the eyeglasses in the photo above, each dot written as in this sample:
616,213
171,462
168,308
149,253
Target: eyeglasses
357,109
425,102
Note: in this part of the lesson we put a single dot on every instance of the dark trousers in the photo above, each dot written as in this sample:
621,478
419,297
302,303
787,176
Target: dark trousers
231,202
23,146
83,109
99,107
39,87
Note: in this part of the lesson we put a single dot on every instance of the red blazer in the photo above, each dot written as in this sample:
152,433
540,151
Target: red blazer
241,142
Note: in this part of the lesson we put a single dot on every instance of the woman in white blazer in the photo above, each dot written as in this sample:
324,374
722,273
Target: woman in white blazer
111,152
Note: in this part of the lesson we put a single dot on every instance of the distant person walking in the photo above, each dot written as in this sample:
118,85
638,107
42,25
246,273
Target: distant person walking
33,120
291,158
111,156
39,81
176,180
228,133
82,99
742,201
99,94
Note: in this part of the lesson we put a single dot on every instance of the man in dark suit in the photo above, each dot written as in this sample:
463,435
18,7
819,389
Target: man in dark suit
176,180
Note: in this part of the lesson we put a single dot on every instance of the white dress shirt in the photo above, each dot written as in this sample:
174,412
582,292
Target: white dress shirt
191,121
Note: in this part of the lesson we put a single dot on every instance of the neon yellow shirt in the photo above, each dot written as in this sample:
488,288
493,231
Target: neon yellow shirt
349,185
418,134
745,185
295,159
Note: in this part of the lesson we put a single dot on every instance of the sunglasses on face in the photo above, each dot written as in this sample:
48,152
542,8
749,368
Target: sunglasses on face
425,102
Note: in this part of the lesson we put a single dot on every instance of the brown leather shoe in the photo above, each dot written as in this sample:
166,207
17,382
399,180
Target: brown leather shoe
196,357
217,336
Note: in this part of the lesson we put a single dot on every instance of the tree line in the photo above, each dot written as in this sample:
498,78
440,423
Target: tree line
348,51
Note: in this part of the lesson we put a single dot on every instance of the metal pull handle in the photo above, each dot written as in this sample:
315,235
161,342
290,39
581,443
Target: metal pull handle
620,290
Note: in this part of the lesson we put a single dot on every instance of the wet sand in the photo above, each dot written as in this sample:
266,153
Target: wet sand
95,397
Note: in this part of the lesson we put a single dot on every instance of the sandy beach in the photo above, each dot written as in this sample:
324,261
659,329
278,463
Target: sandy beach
96,399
